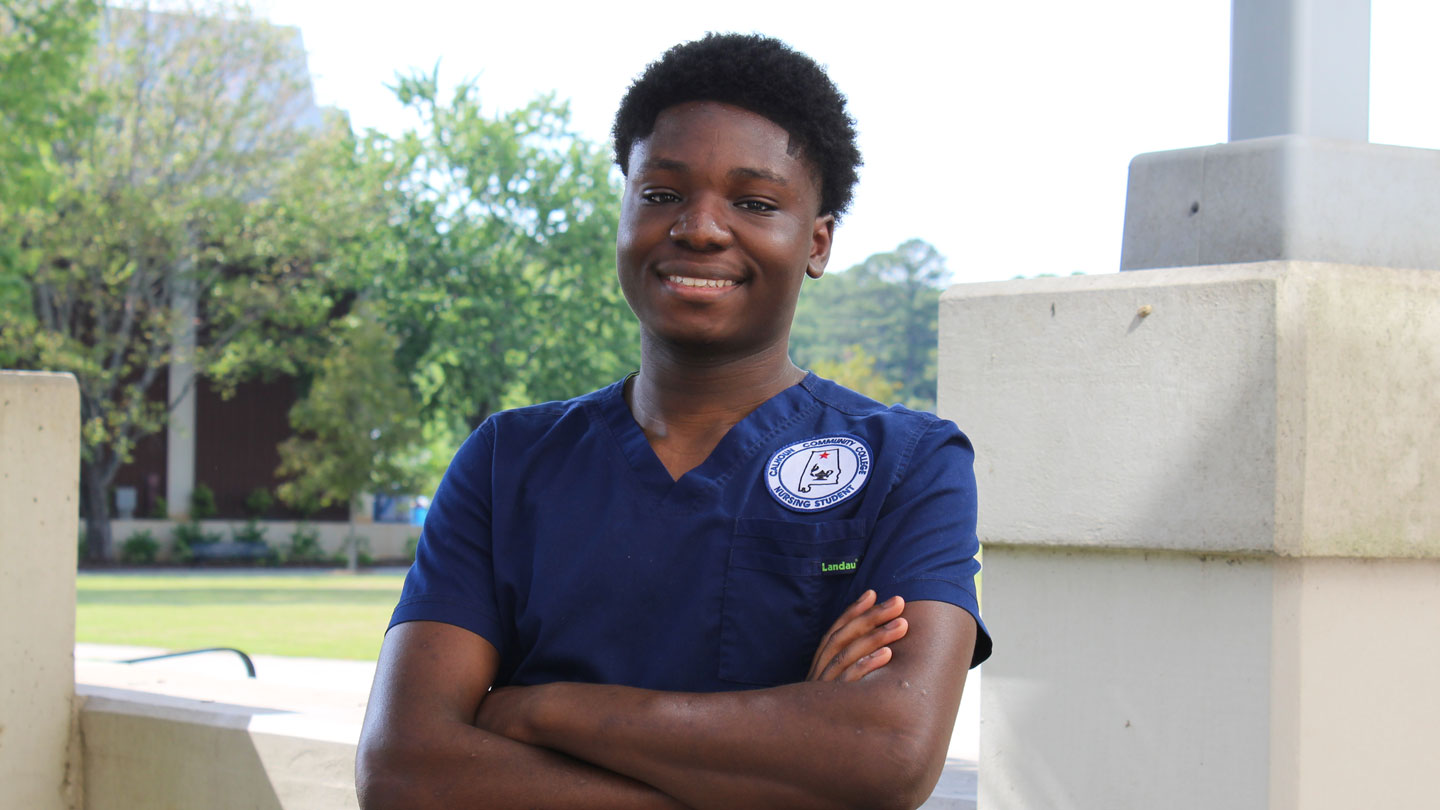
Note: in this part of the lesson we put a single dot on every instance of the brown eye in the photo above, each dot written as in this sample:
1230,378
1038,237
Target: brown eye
758,206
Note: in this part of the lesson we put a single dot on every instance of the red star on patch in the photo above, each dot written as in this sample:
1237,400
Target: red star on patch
825,455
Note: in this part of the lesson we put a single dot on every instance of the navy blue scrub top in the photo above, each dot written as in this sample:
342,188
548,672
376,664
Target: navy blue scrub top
559,537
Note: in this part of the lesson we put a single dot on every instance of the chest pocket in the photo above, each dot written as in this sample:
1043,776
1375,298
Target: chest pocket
784,584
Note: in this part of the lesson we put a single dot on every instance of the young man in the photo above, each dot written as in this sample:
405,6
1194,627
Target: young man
645,574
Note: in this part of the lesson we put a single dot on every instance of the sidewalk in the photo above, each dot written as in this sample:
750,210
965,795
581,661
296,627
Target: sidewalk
342,688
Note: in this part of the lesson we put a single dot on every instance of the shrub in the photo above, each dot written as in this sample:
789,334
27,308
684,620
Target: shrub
202,502
258,502
160,509
140,548
412,543
250,532
305,544
188,535
361,544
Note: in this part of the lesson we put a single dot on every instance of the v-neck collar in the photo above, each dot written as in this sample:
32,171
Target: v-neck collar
751,434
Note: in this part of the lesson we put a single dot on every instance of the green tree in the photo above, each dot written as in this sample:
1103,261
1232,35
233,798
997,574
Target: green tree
176,223
357,425
856,370
888,305
504,292
43,50
43,45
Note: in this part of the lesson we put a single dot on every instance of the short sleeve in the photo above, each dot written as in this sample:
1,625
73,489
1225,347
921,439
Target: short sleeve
453,577
924,535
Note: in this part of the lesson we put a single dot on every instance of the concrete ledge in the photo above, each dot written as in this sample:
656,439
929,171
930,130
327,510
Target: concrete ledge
1281,407
252,748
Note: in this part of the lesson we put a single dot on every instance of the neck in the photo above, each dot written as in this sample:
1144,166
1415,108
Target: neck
675,392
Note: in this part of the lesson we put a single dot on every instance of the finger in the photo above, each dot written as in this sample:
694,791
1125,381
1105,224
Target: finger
860,626
866,665
861,618
882,636
874,658
858,607
875,632
831,658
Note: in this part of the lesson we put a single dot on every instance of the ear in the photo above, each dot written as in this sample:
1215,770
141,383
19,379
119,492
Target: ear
820,239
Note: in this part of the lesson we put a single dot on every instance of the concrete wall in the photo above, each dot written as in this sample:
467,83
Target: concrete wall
39,482
383,541
213,754
1284,407
1208,497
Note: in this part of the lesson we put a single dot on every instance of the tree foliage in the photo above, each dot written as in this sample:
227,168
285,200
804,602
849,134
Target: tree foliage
504,290
357,424
174,223
886,308
856,370
43,44
43,49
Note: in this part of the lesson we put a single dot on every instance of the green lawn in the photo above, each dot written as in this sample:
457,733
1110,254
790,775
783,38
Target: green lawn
322,615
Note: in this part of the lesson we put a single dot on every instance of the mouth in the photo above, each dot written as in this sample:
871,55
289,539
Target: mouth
700,283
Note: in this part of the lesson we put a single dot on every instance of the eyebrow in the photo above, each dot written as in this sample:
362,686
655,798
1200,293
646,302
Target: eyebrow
759,174
672,165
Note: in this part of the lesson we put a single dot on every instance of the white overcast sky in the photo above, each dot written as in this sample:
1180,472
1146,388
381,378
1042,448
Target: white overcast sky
1000,131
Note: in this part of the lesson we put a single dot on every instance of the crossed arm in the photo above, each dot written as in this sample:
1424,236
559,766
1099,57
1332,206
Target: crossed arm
868,728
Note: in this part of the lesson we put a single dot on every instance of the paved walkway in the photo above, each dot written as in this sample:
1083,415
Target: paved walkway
346,685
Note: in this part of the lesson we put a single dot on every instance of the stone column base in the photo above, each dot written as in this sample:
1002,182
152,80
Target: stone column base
1212,564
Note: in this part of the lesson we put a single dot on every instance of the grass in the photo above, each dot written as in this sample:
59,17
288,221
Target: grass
321,615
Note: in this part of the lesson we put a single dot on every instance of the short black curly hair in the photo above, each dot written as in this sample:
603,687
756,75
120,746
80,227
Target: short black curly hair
759,74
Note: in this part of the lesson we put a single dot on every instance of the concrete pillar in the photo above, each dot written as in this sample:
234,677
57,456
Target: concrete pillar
1212,535
1298,180
180,393
1300,67
1284,197
39,529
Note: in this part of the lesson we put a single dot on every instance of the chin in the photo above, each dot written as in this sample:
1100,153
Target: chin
713,346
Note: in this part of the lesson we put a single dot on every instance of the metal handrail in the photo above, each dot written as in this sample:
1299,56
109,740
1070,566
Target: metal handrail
249,665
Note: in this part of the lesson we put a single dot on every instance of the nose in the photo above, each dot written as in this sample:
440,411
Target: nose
701,226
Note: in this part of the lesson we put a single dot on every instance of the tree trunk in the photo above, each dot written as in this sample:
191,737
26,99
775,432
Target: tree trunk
352,546
98,540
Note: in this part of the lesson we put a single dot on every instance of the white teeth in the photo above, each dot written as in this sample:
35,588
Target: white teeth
686,281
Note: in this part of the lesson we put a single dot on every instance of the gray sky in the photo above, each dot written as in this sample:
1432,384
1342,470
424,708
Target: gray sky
1000,132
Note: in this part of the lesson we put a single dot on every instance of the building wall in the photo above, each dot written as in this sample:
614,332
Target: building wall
236,450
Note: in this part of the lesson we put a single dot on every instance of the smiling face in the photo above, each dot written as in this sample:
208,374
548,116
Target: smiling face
718,227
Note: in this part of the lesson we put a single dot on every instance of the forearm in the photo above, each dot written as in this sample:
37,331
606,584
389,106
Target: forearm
419,749
877,742
801,745
459,766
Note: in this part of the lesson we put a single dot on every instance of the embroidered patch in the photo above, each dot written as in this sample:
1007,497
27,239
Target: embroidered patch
818,473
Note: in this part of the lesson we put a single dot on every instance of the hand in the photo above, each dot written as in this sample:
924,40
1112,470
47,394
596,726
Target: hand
505,711
857,643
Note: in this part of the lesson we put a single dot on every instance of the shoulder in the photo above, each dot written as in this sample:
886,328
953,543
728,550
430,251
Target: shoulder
530,420
894,423
504,434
